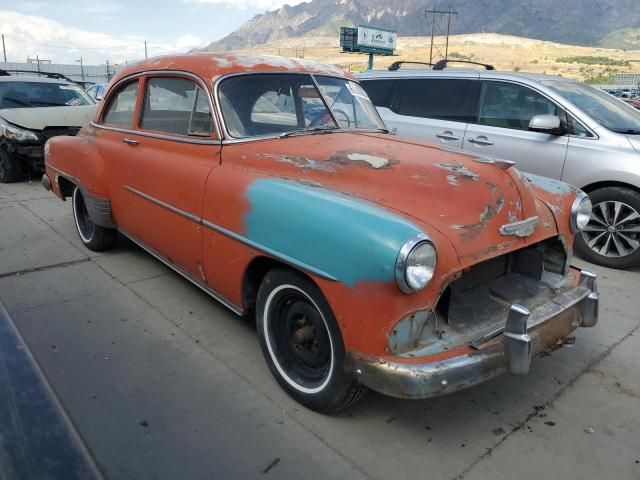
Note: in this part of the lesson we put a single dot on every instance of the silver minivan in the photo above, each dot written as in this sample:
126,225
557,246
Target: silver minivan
548,125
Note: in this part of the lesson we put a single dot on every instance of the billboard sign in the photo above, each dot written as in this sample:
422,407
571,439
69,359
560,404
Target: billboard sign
376,40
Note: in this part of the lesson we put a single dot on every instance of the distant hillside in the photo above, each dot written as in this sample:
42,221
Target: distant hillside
577,22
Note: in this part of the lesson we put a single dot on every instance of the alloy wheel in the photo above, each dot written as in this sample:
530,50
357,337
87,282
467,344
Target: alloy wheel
614,229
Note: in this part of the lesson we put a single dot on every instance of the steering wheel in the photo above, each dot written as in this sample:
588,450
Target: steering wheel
321,116
337,111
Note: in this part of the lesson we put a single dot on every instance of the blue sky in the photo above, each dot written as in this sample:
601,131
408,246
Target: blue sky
115,30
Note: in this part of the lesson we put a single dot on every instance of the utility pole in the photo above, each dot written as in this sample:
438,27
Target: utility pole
4,50
438,29
145,49
107,64
81,69
38,62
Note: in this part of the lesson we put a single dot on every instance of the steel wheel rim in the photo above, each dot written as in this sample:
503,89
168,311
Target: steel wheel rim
298,339
614,229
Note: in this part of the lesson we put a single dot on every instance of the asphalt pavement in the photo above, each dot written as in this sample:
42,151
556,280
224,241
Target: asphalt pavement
162,382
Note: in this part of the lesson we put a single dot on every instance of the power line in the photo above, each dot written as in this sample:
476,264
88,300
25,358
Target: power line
71,48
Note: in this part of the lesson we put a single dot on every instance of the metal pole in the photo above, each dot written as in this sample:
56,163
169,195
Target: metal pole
370,64
145,49
81,69
107,64
38,62
433,27
4,50
446,47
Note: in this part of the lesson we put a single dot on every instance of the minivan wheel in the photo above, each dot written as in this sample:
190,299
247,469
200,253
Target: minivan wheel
302,343
612,237
93,236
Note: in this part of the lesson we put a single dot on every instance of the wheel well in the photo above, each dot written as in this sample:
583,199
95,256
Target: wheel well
66,186
253,276
597,185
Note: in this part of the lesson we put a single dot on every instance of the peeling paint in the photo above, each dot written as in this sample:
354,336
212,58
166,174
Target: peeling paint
302,162
490,211
459,172
362,158
513,217
550,185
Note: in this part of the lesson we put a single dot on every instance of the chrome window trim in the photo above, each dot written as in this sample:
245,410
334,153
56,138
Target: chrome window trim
197,79
227,138
146,133
235,236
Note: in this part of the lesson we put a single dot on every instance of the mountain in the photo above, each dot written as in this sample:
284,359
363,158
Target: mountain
578,22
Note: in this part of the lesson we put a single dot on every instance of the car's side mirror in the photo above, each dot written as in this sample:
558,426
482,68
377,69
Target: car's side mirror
98,97
547,124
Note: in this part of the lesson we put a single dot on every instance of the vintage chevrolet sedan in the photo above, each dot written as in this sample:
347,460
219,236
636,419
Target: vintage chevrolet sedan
369,261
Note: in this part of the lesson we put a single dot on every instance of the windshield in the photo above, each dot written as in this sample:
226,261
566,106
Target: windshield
602,107
41,94
280,103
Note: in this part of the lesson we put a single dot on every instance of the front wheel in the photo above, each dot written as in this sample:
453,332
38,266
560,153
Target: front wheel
302,343
10,167
93,236
612,237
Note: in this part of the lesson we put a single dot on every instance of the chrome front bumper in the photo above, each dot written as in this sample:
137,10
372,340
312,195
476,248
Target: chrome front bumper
508,348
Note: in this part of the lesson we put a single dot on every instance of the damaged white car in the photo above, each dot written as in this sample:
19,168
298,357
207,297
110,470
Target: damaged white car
32,110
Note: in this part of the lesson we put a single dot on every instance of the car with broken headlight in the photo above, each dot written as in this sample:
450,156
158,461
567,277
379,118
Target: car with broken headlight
34,107
367,260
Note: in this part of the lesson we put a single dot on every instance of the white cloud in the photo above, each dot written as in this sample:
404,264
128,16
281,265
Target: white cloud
30,35
266,5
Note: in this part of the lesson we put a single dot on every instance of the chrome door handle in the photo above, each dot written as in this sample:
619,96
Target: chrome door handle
481,141
447,136
130,141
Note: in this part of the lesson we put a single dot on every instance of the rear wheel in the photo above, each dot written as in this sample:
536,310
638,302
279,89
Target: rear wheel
612,237
10,167
93,236
302,343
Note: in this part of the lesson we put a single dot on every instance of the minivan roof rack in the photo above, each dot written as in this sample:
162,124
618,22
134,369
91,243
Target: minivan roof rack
441,64
54,75
396,65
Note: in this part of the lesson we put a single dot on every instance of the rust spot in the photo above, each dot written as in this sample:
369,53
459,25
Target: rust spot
302,162
490,211
458,172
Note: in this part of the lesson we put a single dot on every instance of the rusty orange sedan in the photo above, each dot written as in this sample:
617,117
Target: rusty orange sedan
369,261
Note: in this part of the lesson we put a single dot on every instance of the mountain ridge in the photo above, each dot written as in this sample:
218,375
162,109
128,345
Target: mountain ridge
577,22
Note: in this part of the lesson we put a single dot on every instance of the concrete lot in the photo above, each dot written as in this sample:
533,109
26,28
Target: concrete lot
163,382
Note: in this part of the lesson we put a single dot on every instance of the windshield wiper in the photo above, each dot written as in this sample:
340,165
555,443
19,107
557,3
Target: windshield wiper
309,131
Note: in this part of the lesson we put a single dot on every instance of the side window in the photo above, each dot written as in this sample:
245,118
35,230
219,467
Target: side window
382,92
509,105
122,105
574,127
176,105
439,98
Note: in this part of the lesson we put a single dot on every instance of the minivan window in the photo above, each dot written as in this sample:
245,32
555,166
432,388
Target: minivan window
439,98
381,92
122,105
176,105
602,107
509,105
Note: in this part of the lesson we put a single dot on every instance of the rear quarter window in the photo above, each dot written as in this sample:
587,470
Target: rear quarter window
122,106
438,98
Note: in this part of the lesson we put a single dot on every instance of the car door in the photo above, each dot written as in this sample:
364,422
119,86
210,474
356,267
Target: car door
432,109
159,168
501,128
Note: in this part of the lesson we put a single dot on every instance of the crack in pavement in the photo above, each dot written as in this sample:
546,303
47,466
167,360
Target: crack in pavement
549,403
44,267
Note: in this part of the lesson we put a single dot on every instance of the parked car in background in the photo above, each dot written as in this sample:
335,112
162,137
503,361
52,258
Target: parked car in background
548,125
634,102
272,184
96,91
34,109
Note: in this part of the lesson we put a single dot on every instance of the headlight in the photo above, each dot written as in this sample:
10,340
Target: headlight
416,264
580,212
14,133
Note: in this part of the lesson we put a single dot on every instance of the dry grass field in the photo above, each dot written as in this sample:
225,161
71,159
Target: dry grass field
503,51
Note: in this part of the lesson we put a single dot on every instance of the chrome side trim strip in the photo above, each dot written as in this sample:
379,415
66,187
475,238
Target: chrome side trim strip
144,133
285,258
228,233
162,204
234,308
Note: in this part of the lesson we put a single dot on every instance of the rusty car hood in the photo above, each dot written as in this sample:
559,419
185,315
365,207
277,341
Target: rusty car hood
465,200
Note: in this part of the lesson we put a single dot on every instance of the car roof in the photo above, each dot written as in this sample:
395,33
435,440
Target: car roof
459,72
32,78
210,66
